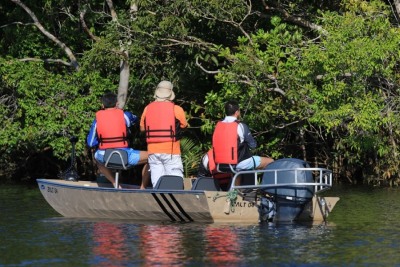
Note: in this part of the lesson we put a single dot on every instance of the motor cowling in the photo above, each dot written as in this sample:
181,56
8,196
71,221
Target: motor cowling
289,195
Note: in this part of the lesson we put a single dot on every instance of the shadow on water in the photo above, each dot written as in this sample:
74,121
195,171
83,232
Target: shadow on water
362,230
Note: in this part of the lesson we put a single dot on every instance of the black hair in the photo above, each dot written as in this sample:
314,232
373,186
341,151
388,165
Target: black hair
109,100
231,107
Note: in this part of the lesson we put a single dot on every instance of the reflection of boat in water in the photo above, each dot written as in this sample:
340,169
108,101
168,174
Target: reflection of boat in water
113,243
109,244
287,190
161,245
222,246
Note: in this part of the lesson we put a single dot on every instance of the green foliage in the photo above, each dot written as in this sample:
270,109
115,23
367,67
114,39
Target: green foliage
342,84
356,61
46,108
191,155
259,78
330,95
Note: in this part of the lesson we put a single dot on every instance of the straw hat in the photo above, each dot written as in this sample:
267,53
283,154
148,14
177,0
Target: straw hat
164,91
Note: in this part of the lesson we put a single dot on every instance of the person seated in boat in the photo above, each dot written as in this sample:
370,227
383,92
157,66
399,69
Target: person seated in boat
232,143
110,129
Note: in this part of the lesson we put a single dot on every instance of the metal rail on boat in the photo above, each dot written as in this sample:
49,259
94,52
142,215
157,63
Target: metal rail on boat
322,178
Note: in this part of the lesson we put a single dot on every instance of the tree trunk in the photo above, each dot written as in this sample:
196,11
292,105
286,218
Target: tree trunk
123,81
396,4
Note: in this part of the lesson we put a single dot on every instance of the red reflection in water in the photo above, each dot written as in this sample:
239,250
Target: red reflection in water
109,246
222,246
161,245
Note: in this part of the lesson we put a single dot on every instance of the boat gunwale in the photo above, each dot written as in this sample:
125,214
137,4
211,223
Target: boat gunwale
54,182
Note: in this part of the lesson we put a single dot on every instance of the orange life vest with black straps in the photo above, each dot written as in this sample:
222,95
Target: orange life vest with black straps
160,122
111,128
225,143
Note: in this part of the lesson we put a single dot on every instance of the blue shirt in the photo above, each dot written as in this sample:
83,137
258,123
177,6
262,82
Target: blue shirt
92,139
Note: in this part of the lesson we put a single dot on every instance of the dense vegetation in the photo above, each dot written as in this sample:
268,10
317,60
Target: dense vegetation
317,80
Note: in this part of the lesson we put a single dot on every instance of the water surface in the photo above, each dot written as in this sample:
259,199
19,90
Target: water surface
362,231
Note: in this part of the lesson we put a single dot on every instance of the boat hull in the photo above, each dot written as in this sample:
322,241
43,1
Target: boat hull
85,199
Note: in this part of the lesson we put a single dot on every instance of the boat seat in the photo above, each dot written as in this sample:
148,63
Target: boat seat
246,178
116,159
206,183
167,182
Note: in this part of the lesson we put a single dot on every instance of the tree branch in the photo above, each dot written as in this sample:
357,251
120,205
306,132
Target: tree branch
229,19
396,4
191,41
47,60
294,19
15,23
84,25
203,69
244,79
112,10
67,50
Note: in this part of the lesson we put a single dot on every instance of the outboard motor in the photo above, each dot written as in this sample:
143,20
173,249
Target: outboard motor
71,174
266,210
289,195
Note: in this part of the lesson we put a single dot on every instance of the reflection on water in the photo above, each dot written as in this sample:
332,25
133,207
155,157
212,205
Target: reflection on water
109,244
161,245
362,230
222,245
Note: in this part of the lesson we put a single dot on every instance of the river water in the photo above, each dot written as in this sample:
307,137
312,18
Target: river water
363,230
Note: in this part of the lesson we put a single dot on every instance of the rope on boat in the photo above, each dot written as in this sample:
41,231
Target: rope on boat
231,197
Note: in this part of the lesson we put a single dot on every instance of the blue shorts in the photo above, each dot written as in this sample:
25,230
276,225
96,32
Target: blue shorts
133,156
249,164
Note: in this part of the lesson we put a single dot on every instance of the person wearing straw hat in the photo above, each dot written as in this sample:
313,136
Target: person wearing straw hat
163,122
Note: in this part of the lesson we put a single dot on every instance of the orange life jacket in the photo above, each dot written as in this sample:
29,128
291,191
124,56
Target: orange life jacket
222,177
225,143
111,128
160,123
212,167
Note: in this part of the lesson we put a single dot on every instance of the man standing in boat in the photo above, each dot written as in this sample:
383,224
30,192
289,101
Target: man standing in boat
232,143
163,122
110,130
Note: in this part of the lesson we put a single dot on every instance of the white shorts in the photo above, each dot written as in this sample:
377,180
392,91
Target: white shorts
164,164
